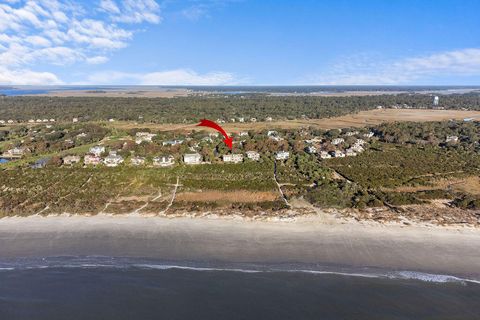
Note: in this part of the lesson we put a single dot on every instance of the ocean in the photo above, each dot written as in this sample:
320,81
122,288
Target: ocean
133,288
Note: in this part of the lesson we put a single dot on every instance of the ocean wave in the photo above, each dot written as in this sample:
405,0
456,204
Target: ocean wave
101,262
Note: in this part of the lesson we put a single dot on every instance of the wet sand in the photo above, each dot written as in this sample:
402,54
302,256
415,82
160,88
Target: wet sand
425,249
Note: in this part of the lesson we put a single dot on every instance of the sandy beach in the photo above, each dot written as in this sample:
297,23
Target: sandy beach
453,251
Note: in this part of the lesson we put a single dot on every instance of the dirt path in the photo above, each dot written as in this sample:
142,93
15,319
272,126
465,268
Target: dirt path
173,197
137,211
279,186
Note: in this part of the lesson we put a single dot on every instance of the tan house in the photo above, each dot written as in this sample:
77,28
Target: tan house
70,160
253,155
92,160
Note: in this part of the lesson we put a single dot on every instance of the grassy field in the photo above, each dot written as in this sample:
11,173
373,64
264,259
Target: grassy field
361,119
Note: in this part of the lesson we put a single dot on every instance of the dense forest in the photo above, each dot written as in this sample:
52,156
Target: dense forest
190,109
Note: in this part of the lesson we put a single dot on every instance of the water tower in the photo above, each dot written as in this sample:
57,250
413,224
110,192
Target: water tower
435,100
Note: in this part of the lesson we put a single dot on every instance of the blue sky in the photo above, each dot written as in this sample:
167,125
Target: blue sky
246,42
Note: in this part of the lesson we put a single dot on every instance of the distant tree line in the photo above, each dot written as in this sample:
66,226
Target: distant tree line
190,109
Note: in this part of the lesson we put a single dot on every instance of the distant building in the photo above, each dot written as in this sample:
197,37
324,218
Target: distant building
91,159
311,149
436,100
74,120
137,161
144,137
368,135
451,139
253,120
253,155
192,158
325,155
338,154
243,134
14,153
97,150
282,155
233,158
350,152
337,141
164,161
351,133
113,159
39,164
172,142
268,119
69,160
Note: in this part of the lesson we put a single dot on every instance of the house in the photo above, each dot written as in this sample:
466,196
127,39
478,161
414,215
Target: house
2,121
338,154
350,152
451,139
325,155
31,121
357,148
97,150
282,155
91,159
172,142
253,155
243,134
351,133
233,158
111,120
337,141
213,134
311,149
241,119
113,159
268,119
10,121
192,158
81,135
360,142
253,120
164,161
39,164
220,121
52,120
15,153
207,139
368,135
272,133
74,120
69,160
144,137
137,161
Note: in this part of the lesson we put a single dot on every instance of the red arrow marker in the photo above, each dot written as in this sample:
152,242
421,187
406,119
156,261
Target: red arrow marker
208,123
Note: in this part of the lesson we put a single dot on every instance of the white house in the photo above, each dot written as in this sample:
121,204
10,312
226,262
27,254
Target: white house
14,153
69,160
338,154
325,155
144,136
350,152
91,159
192,158
113,159
137,161
10,121
368,135
164,161
172,142
2,121
351,133
253,120
282,155
74,120
97,150
337,141
451,139
311,149
360,142
243,134
268,119
253,155
233,158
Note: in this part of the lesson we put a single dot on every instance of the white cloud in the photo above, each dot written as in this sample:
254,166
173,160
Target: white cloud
61,32
97,60
364,71
27,77
170,77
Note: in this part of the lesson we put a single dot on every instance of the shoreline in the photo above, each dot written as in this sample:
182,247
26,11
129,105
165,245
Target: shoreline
307,240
